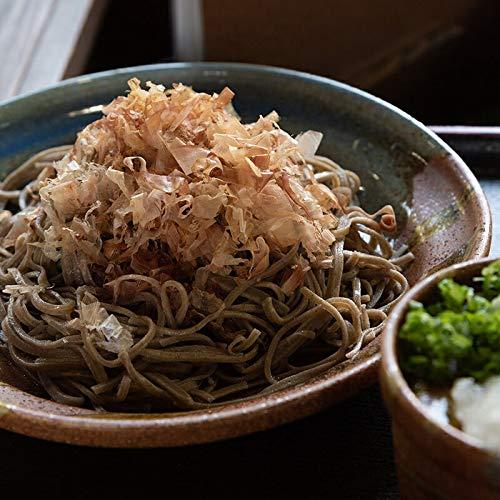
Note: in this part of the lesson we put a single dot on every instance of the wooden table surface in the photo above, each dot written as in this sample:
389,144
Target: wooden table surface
43,41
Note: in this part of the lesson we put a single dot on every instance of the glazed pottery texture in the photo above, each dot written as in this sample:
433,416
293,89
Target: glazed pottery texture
442,214
433,460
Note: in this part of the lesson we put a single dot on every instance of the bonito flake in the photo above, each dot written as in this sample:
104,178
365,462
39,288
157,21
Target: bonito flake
174,176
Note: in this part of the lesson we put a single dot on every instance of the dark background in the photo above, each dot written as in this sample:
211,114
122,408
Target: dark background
457,82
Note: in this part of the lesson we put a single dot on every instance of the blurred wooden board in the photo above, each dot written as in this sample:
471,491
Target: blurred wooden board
491,188
43,41
359,42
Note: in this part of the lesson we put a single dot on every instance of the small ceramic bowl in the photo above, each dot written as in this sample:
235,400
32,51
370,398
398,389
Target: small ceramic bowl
434,460
442,215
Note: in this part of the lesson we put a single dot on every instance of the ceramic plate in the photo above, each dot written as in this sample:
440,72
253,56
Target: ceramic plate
442,213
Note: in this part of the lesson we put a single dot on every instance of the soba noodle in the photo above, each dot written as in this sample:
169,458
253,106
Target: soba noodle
184,351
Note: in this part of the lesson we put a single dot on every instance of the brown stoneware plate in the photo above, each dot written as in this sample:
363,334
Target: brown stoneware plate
434,460
442,214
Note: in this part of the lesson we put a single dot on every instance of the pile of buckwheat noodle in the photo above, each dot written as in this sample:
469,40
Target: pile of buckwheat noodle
175,258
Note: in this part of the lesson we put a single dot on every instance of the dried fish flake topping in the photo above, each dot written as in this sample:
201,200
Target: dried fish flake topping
174,176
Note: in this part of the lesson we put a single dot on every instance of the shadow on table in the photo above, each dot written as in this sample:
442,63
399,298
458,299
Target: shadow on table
344,452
